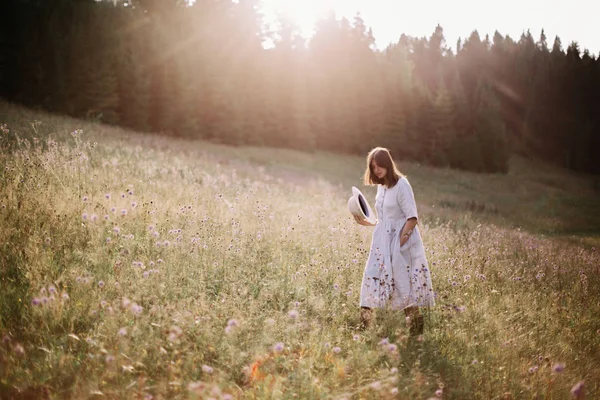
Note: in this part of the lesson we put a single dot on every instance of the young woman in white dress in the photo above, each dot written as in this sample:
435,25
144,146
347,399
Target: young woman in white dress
396,273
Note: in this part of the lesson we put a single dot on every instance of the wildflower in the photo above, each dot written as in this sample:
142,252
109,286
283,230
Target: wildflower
109,359
65,296
116,230
124,211
355,337
94,217
384,342
45,300
577,390
293,314
392,348
19,350
101,284
336,350
107,196
108,240
278,347
438,393
136,308
133,204
558,368
125,302
35,301
84,216
394,391
375,385
196,387
394,370
51,289
233,323
130,192
146,274
113,209
533,370
174,333
85,198
122,332
270,321
207,369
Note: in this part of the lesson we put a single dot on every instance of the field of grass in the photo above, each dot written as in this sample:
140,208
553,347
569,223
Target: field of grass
139,266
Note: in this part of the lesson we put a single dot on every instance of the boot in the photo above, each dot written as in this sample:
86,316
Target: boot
417,323
365,317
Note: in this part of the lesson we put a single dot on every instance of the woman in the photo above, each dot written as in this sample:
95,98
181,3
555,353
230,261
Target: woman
396,273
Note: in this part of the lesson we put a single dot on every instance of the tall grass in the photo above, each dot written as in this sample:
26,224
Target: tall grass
142,267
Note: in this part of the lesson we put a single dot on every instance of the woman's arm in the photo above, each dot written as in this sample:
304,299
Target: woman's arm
407,230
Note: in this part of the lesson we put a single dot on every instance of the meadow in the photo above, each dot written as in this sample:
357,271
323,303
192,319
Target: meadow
139,266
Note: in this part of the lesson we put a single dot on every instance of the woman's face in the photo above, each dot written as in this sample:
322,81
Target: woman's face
379,172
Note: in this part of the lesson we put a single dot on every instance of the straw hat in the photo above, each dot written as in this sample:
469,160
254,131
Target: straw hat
359,207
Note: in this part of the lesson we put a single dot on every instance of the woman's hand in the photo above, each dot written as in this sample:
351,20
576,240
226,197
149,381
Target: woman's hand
407,230
360,221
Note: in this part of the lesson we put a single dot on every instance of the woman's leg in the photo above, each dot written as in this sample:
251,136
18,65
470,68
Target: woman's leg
366,315
417,322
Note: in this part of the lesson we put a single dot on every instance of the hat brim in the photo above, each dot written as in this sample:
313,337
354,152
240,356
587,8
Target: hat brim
360,207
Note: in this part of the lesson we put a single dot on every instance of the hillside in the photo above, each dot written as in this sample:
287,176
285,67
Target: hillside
139,265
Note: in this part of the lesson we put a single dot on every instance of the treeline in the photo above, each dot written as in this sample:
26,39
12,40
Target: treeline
202,71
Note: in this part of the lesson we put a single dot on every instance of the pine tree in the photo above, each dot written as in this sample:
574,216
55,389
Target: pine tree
490,132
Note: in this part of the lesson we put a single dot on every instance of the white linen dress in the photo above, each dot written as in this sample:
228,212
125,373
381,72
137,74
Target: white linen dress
394,276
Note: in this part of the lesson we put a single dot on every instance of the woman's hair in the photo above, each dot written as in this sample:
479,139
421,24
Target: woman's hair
382,158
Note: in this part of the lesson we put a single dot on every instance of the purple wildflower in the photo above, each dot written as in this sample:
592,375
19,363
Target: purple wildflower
577,390
558,368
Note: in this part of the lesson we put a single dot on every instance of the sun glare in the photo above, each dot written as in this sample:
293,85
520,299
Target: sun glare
303,13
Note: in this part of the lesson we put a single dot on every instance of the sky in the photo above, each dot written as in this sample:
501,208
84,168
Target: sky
573,20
